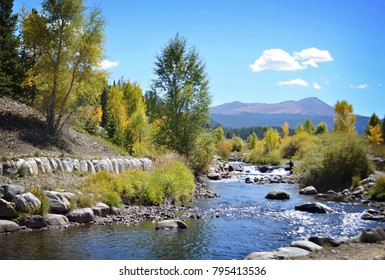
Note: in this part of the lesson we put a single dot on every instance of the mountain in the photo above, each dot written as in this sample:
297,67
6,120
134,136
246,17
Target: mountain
237,114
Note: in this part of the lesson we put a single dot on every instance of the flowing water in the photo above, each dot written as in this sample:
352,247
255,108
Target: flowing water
233,225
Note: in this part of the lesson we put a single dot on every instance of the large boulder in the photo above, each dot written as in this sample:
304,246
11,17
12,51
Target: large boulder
309,190
372,235
101,209
82,215
261,256
314,207
279,195
46,164
214,176
325,241
7,209
290,252
26,201
30,166
8,226
33,221
306,245
56,219
171,224
10,190
58,203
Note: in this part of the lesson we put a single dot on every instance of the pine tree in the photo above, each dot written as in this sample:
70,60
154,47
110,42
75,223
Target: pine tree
11,72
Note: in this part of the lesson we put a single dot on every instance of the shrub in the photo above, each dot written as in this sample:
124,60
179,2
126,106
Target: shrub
333,160
377,192
297,146
223,148
44,206
237,144
171,181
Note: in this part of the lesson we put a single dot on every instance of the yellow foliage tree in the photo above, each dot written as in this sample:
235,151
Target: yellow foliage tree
345,119
375,135
285,130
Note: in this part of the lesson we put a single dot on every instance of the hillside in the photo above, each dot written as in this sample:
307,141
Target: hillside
237,114
23,132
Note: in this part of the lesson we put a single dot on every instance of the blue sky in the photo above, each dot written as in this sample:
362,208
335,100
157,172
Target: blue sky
257,51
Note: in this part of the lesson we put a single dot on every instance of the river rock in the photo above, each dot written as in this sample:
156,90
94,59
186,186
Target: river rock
115,211
171,224
7,209
369,236
1,169
58,203
26,201
46,164
115,166
214,176
59,164
33,221
40,165
76,165
261,256
263,169
90,167
309,190
307,245
103,165
82,215
279,195
10,190
83,166
314,207
100,209
110,166
53,163
325,241
30,166
290,252
373,217
56,219
8,226
68,165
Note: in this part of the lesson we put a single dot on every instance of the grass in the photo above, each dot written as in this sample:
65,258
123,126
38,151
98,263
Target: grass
169,182
377,192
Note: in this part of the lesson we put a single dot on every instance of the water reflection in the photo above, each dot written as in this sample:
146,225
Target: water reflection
238,222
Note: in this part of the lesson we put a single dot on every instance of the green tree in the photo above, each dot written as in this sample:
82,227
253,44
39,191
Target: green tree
237,143
345,119
219,134
321,128
68,48
308,126
271,140
11,71
373,121
182,88
299,128
252,141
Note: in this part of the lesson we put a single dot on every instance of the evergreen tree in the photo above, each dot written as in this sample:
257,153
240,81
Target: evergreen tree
11,71
308,126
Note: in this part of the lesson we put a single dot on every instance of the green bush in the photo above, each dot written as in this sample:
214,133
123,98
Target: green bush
297,146
333,160
44,206
377,192
170,181
237,144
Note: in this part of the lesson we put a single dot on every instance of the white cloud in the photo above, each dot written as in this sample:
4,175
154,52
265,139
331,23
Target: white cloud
316,86
362,86
280,60
276,59
312,56
296,82
106,64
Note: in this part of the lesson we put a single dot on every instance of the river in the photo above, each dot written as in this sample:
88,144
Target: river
233,225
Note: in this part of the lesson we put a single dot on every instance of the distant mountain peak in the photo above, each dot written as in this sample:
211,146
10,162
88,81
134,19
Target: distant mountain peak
307,106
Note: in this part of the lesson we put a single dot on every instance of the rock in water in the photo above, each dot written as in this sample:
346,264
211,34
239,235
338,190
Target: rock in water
83,215
314,207
279,195
310,190
171,224
8,226
306,245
